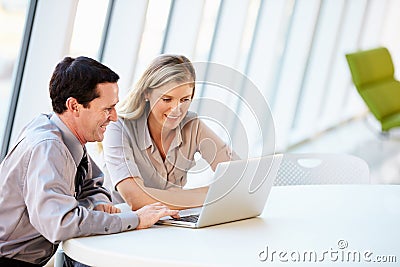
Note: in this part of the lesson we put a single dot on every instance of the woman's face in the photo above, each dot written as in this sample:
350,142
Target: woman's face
169,105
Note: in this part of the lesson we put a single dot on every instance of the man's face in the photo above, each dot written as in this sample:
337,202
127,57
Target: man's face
92,121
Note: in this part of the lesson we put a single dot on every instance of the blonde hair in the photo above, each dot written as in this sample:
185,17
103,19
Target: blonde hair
162,70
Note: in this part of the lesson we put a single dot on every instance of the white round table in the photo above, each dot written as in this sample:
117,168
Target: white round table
328,224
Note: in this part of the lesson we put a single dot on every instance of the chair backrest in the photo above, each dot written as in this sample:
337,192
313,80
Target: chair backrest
311,169
370,66
373,75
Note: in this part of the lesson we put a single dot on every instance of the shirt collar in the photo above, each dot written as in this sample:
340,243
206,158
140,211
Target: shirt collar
70,140
178,137
144,137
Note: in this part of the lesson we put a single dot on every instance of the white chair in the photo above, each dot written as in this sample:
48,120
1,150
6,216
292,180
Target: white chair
312,169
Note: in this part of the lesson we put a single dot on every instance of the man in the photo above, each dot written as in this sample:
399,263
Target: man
50,190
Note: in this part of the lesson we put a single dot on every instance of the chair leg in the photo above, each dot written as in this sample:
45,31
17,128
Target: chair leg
59,257
384,135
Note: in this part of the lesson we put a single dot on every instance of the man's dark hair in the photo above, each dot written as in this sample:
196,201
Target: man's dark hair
78,78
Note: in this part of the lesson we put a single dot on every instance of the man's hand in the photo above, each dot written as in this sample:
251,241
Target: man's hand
150,214
107,208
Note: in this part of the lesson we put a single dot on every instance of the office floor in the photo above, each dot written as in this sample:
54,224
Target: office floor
361,138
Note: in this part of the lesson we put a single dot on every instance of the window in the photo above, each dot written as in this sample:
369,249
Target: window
88,28
158,12
12,14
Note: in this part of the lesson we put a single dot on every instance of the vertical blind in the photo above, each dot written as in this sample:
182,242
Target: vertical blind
292,51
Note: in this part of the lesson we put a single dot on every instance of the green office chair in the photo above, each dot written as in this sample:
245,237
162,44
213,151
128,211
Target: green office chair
373,75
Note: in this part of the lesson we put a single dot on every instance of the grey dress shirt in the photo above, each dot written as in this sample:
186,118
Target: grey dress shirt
129,151
37,204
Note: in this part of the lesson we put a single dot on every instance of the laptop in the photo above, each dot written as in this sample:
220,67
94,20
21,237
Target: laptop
239,191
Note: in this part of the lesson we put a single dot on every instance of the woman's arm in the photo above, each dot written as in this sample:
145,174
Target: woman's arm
212,148
136,195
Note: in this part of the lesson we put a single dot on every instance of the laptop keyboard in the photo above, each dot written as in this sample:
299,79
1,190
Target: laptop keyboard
190,218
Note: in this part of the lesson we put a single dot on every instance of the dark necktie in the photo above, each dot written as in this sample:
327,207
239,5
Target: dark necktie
81,173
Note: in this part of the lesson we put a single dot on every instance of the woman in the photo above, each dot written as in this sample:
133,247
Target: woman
151,147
